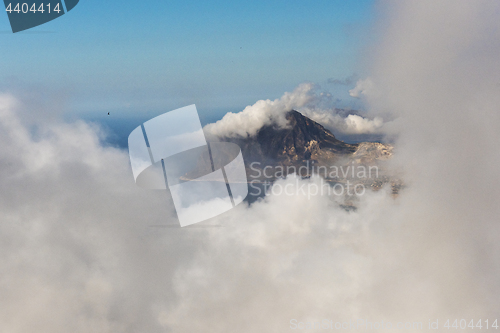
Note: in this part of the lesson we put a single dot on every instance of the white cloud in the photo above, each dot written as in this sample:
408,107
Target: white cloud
357,124
320,107
363,87
263,112
76,250
352,124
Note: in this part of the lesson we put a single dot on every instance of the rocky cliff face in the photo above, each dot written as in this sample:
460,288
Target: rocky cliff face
371,151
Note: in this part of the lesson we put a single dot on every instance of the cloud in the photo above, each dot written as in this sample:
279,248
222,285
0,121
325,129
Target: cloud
285,257
440,83
351,124
363,87
263,112
319,106
76,250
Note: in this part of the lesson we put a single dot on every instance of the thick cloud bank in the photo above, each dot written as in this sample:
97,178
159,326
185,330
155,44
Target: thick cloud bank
79,255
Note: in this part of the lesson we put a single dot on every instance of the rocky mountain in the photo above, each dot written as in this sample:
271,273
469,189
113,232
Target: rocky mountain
304,141
305,147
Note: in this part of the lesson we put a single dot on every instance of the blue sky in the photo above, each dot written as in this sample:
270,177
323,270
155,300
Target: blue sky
138,58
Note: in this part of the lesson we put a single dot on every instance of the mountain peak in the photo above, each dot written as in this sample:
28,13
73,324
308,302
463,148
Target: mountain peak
301,140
